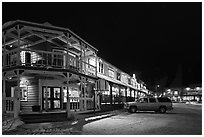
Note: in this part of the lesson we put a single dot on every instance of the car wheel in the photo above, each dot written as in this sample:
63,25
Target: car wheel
133,109
162,109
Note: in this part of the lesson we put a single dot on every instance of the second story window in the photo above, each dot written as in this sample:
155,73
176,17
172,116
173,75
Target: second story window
111,73
101,67
118,76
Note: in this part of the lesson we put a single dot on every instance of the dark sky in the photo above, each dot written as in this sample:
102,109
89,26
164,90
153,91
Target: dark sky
151,40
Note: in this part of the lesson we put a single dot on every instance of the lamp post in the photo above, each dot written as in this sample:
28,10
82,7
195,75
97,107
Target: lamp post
157,86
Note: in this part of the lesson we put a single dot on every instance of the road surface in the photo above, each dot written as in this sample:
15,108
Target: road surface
183,120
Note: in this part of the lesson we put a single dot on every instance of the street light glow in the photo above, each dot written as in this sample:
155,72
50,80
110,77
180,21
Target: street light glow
198,88
187,88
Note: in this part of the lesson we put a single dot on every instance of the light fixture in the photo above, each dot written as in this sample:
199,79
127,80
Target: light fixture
187,88
198,88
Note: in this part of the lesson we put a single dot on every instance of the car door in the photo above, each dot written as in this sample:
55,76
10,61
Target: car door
143,104
153,105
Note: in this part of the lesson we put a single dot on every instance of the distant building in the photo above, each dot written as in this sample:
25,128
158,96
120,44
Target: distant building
191,93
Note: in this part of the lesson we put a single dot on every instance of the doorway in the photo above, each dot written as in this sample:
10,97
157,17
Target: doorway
53,95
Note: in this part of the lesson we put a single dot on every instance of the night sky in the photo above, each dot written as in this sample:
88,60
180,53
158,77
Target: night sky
156,41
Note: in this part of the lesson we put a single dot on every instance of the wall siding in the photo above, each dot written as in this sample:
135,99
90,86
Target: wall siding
33,96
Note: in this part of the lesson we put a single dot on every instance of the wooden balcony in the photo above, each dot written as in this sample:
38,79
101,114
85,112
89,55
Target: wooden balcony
43,59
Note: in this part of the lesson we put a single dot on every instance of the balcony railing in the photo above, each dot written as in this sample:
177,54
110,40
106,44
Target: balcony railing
45,59
9,104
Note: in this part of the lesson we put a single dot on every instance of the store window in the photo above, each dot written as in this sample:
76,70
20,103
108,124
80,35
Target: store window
122,92
128,92
101,67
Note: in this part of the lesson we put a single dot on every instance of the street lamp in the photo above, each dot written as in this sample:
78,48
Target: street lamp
157,86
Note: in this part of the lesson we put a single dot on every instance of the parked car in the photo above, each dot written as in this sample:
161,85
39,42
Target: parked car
160,104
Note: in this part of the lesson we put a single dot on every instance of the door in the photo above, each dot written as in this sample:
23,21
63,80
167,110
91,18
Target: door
153,105
143,104
53,95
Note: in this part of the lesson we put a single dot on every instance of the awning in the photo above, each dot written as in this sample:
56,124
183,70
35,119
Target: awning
115,81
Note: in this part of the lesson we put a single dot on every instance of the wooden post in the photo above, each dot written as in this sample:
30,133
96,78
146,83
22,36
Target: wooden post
81,100
17,97
96,65
98,95
84,61
18,52
126,94
85,90
119,96
111,96
40,103
46,93
4,95
68,99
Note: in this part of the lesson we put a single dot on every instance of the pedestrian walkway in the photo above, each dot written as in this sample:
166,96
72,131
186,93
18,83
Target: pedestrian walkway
65,127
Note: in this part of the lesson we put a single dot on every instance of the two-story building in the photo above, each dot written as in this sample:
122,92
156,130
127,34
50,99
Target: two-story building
47,68
43,65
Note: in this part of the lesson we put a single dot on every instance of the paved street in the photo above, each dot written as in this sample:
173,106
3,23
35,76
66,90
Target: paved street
183,120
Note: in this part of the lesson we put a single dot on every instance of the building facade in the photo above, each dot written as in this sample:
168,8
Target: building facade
184,94
49,68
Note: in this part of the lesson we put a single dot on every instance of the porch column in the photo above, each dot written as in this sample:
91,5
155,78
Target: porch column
119,95
68,99
17,97
126,94
98,95
46,93
85,91
80,98
111,96
18,52
96,58
4,95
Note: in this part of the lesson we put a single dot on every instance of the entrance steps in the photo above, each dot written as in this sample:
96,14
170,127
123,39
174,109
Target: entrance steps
44,117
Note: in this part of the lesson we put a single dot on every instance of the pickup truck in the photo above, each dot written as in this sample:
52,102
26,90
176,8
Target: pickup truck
161,104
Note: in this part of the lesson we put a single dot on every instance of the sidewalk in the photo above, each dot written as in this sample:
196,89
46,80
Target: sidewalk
65,127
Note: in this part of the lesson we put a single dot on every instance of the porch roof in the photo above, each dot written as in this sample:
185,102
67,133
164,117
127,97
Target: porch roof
11,24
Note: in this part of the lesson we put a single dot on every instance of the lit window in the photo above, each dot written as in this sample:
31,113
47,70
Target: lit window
175,92
111,73
23,94
101,69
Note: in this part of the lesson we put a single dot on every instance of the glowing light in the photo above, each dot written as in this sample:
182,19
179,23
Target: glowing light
168,90
198,88
187,88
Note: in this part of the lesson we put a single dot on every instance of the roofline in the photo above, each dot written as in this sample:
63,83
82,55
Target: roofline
13,23
115,67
